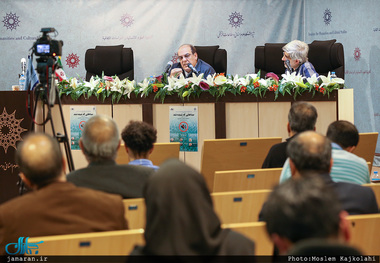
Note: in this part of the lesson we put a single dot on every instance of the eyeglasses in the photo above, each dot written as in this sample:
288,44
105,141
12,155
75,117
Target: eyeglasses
187,55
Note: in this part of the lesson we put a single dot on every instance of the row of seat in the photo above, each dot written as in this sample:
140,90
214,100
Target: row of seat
364,235
326,56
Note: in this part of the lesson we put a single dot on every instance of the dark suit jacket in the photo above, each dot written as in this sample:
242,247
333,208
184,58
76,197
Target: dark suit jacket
125,180
276,156
59,208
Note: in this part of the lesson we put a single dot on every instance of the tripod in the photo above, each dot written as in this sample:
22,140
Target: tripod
48,95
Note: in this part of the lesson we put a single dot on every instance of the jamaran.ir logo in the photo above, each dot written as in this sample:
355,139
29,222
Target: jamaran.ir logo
22,247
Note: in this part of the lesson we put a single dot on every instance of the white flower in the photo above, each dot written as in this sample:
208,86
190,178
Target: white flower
196,79
330,81
116,85
313,79
263,82
170,86
92,83
144,85
180,82
294,78
210,80
73,83
220,80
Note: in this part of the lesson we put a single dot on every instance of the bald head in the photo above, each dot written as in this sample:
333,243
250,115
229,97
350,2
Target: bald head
39,158
310,151
100,138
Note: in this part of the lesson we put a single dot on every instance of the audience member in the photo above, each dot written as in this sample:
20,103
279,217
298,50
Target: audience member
99,143
347,167
310,153
304,208
180,218
139,138
302,117
295,59
187,55
54,207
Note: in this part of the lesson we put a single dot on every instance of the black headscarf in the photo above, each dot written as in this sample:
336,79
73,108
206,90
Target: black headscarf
180,218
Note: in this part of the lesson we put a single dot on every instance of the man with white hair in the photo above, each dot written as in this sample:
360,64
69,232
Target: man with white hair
295,59
99,143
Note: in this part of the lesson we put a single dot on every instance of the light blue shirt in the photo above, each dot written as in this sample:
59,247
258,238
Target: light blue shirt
347,167
144,162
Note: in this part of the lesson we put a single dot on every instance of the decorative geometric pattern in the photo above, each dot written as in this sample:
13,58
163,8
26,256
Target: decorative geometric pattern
175,58
327,16
236,19
10,130
357,54
126,20
11,21
72,60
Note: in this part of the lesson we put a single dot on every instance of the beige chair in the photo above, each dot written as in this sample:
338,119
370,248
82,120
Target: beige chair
161,152
367,146
257,232
233,154
106,243
365,233
134,210
244,180
376,190
239,207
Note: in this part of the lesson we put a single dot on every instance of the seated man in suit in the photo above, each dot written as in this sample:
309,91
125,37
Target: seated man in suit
295,59
302,117
54,207
138,137
347,167
310,153
304,209
99,143
190,63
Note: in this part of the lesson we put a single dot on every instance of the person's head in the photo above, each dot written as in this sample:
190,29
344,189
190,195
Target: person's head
296,52
100,139
302,117
139,138
343,133
304,208
309,152
180,219
187,54
40,160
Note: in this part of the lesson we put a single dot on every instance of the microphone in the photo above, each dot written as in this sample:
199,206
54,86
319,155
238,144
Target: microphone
192,68
287,62
168,67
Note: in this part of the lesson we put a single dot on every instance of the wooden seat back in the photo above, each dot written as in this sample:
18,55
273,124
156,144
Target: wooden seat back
366,146
365,233
233,154
257,232
161,152
90,244
376,190
245,180
134,210
239,207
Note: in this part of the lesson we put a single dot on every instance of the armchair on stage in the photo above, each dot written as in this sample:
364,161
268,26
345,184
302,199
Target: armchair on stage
112,60
214,56
324,55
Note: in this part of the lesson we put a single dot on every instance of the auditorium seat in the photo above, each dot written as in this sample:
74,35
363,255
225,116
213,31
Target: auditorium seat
214,56
326,56
112,60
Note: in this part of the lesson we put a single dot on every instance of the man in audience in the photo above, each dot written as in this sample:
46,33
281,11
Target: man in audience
295,59
99,143
188,55
139,137
302,209
54,207
347,167
302,117
310,153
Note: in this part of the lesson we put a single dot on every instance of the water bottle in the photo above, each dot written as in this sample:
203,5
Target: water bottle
22,79
376,177
333,75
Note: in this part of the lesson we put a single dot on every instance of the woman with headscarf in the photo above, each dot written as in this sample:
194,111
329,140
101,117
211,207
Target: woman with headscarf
180,218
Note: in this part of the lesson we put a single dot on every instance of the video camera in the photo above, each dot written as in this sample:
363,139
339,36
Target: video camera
45,46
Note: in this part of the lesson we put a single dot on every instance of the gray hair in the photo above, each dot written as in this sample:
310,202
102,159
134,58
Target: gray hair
100,138
297,50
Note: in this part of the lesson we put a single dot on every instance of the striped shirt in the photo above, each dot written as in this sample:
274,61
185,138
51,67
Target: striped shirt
347,167
144,162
